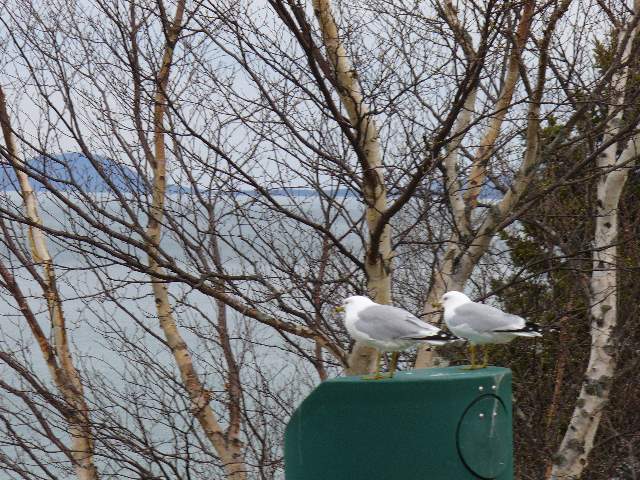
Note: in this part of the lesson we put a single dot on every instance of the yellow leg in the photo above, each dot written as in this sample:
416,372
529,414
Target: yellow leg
485,356
378,375
472,354
394,363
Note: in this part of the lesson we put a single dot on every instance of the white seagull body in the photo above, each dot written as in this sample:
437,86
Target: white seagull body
387,328
482,324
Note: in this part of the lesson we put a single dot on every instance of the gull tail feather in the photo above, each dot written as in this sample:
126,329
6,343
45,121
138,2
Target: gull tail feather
439,338
530,329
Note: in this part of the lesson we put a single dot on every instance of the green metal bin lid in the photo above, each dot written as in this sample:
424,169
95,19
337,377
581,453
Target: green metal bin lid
430,424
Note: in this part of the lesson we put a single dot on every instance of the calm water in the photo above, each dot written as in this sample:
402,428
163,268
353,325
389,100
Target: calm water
113,327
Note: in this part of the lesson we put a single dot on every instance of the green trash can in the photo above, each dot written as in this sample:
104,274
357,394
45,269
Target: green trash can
427,424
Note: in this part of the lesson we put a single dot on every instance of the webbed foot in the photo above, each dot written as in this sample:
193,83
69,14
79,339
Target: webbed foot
377,376
473,367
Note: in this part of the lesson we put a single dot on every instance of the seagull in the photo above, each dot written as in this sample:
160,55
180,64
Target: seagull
483,324
387,329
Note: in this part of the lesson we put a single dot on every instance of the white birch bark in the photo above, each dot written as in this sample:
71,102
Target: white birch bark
57,356
456,265
378,252
478,172
577,443
227,442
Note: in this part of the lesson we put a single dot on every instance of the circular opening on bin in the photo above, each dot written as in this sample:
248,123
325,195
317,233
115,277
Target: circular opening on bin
483,437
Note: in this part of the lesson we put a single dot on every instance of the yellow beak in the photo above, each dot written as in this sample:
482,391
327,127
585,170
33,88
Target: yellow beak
339,309
437,305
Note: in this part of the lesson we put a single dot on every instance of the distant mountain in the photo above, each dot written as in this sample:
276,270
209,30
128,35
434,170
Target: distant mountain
64,170
61,169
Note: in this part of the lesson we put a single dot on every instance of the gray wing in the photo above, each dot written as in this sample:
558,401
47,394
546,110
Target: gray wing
484,318
384,322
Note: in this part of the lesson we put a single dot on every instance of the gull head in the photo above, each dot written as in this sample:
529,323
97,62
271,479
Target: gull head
453,299
354,304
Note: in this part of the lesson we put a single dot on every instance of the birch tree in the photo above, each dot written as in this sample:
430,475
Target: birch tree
56,353
469,244
227,442
343,76
378,255
614,164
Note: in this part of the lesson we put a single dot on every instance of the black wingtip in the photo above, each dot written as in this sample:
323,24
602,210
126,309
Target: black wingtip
530,328
441,336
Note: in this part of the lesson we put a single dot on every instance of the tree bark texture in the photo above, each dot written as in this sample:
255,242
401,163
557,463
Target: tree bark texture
464,249
378,254
227,443
57,356
572,457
